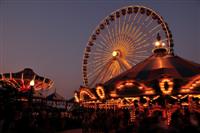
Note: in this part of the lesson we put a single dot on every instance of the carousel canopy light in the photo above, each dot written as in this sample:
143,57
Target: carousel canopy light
100,92
157,43
32,83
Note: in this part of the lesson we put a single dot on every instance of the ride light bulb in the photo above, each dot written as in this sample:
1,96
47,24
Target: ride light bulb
115,53
157,43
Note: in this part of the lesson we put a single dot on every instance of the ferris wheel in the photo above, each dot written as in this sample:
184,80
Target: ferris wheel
120,41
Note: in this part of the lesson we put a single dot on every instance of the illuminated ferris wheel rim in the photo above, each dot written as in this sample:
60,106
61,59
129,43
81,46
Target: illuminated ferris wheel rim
102,22
114,16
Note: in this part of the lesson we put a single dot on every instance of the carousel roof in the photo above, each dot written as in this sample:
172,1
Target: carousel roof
157,66
21,80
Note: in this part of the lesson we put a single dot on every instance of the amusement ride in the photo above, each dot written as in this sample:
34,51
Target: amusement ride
129,63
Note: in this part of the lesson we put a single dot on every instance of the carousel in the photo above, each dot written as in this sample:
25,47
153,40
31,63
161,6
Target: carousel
24,80
26,85
129,63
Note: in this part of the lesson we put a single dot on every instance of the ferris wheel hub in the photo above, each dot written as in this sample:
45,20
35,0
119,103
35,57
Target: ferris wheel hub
116,53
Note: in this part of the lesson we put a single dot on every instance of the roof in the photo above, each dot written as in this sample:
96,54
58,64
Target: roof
157,66
55,97
21,80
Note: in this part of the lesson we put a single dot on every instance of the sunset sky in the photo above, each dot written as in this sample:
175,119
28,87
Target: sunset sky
49,36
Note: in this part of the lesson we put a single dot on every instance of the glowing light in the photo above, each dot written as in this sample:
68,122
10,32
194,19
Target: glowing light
120,86
115,53
185,90
157,43
149,92
192,84
156,97
164,90
163,44
100,92
87,92
196,96
76,97
113,94
32,83
132,116
140,87
129,84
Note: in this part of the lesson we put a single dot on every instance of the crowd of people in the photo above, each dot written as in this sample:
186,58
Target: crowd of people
20,118
119,121
23,119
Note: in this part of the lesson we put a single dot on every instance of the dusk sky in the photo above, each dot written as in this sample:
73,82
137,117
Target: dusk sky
49,36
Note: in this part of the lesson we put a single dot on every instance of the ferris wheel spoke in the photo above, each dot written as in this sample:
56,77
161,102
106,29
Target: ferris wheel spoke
134,60
131,42
143,46
142,51
120,35
150,22
123,26
164,39
116,32
96,65
140,38
139,19
119,32
123,66
139,35
139,29
114,36
110,40
141,56
115,69
128,22
105,40
123,43
132,24
143,41
104,50
101,42
97,70
125,63
104,74
150,31
100,45
109,34
100,73
133,30
143,24
99,62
